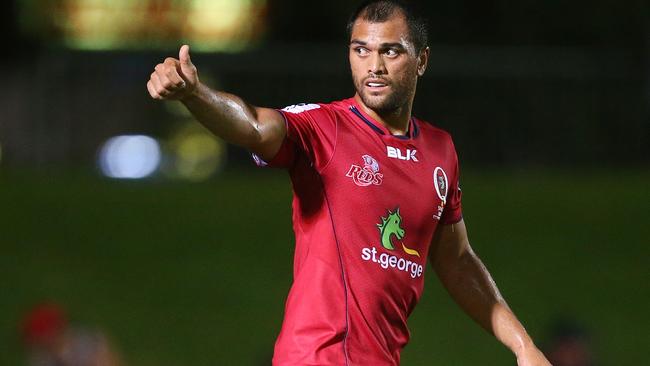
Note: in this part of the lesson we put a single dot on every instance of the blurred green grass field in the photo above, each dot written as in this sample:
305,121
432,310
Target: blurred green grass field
197,274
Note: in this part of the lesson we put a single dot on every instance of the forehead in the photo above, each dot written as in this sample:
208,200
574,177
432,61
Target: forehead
393,30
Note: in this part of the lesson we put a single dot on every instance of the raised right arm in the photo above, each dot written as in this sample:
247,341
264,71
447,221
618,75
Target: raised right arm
260,130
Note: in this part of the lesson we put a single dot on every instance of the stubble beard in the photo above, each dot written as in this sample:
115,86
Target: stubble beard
391,103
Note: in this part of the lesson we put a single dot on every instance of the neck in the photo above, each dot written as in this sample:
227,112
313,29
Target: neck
396,121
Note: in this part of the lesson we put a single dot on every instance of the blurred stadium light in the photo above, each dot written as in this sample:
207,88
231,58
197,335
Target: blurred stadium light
129,157
209,25
193,153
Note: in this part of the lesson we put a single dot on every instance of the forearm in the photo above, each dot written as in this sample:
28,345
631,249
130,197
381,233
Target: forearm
507,329
471,286
225,115
260,130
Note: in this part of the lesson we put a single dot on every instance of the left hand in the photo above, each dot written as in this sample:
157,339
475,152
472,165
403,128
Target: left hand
532,357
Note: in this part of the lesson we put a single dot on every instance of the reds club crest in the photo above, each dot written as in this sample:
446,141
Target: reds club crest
441,185
368,174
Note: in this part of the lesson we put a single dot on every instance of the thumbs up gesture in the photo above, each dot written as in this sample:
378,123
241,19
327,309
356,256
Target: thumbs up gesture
174,78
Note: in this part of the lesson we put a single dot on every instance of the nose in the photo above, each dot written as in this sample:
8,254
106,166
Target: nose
377,65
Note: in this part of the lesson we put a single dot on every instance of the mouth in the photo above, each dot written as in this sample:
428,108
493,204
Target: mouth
376,84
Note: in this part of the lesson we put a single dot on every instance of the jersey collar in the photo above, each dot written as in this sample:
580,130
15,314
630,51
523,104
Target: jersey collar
412,132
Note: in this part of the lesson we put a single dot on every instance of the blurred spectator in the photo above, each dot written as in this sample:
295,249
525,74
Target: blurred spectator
569,345
50,340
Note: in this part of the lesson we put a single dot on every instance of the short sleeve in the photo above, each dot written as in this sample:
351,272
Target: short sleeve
284,158
312,129
453,212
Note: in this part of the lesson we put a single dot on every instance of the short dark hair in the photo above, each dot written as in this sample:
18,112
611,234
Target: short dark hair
379,11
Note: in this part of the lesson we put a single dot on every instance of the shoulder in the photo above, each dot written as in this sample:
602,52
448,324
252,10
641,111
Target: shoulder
313,108
318,113
316,108
432,132
307,113
301,108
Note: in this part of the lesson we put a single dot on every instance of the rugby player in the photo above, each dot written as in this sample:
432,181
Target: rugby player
376,195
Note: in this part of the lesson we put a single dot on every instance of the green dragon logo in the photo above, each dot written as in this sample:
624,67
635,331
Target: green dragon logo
390,226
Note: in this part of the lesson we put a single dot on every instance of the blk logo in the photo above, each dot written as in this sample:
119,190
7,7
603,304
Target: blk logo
396,153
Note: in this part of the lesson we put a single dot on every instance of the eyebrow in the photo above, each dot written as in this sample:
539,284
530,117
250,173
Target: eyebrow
382,45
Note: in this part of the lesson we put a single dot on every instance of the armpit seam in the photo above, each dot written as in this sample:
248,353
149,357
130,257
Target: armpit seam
336,138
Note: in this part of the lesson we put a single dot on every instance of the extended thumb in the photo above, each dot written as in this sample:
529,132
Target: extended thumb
184,55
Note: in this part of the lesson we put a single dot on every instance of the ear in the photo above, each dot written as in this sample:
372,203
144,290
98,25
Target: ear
423,60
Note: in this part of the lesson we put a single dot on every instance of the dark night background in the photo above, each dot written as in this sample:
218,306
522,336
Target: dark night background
549,106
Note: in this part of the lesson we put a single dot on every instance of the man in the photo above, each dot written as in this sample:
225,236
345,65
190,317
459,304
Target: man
375,194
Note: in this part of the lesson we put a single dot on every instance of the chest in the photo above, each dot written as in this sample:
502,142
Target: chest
370,171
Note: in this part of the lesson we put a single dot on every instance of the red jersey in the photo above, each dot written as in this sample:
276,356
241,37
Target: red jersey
366,204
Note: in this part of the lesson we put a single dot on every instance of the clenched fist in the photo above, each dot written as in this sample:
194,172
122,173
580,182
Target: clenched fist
174,79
